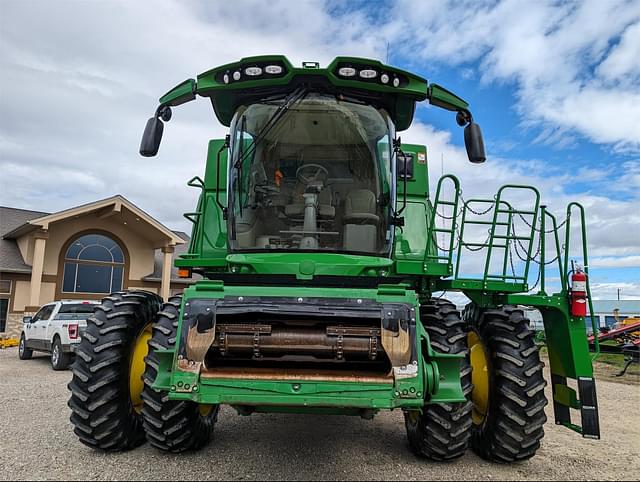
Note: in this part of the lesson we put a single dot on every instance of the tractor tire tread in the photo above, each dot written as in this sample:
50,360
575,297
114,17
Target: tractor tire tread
442,431
514,425
101,411
171,426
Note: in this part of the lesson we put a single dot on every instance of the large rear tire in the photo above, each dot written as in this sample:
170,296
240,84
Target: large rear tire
508,395
172,426
442,430
59,359
106,385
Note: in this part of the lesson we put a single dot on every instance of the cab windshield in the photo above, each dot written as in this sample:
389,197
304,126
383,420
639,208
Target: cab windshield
317,179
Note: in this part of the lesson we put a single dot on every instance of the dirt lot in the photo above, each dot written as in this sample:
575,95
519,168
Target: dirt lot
36,442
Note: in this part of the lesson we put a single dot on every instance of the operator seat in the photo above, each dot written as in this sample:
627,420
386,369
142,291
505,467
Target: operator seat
360,207
360,221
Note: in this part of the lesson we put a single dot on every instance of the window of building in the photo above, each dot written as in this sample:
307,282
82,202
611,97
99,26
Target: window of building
4,309
93,263
5,292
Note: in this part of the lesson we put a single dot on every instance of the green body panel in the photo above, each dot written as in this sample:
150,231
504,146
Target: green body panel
437,377
226,98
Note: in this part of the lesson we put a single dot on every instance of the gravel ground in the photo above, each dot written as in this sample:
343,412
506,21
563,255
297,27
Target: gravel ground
37,442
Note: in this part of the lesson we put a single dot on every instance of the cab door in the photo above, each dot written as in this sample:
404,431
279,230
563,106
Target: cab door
37,329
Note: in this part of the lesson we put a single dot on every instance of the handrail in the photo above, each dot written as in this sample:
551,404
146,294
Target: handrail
585,260
495,220
431,228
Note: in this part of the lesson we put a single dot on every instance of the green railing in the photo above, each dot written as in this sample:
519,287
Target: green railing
433,230
501,234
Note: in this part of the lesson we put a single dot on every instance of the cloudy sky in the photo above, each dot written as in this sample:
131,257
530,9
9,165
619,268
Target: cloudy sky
555,87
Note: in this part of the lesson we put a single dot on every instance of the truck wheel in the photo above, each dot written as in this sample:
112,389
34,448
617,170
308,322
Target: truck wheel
441,430
59,359
508,385
172,426
106,387
24,353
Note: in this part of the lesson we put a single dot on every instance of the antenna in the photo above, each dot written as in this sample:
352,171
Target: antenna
387,61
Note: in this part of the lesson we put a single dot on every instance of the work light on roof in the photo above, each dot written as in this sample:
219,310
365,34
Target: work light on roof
273,69
253,71
225,78
346,71
368,74
237,75
384,78
396,81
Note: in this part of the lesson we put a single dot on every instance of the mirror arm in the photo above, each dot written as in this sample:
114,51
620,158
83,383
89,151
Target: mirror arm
398,220
222,148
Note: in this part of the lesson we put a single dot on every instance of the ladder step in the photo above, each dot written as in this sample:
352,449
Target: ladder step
499,276
442,230
515,211
501,236
484,245
446,203
488,223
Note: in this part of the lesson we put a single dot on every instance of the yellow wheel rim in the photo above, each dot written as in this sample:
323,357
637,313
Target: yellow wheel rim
479,378
136,367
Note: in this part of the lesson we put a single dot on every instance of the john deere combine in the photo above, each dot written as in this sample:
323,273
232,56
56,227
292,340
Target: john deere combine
319,249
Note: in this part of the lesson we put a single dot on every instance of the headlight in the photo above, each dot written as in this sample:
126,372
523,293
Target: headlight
253,71
273,69
346,71
368,74
384,78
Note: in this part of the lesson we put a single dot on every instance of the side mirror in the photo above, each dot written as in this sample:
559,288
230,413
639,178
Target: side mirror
474,143
27,319
151,138
404,163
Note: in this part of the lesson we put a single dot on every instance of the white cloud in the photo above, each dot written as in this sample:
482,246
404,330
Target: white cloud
574,65
609,291
616,262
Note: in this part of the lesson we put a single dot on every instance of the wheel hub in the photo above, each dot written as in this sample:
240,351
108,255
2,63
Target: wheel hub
479,377
139,351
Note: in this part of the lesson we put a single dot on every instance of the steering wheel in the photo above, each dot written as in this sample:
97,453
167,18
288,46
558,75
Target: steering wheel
307,179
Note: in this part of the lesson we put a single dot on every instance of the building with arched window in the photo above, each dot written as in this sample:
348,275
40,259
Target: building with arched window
84,252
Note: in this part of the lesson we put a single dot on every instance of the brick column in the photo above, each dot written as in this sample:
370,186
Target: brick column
167,260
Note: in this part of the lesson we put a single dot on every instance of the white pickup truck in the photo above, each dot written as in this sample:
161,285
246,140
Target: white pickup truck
56,328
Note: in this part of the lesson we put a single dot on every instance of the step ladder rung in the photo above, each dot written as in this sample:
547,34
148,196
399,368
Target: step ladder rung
484,245
503,277
488,223
442,230
502,236
514,211
445,203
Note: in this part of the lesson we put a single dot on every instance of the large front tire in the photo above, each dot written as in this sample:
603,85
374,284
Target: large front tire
441,431
24,353
172,426
508,395
105,388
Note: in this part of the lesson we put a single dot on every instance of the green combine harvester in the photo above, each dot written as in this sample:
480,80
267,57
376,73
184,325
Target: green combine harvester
322,258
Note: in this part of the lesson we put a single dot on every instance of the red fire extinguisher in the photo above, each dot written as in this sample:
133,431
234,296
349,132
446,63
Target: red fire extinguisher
578,293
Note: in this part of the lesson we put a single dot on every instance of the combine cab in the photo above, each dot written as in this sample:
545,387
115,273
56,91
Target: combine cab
321,254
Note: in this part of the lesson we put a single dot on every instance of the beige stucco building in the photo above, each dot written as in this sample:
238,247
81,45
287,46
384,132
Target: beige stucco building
84,252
